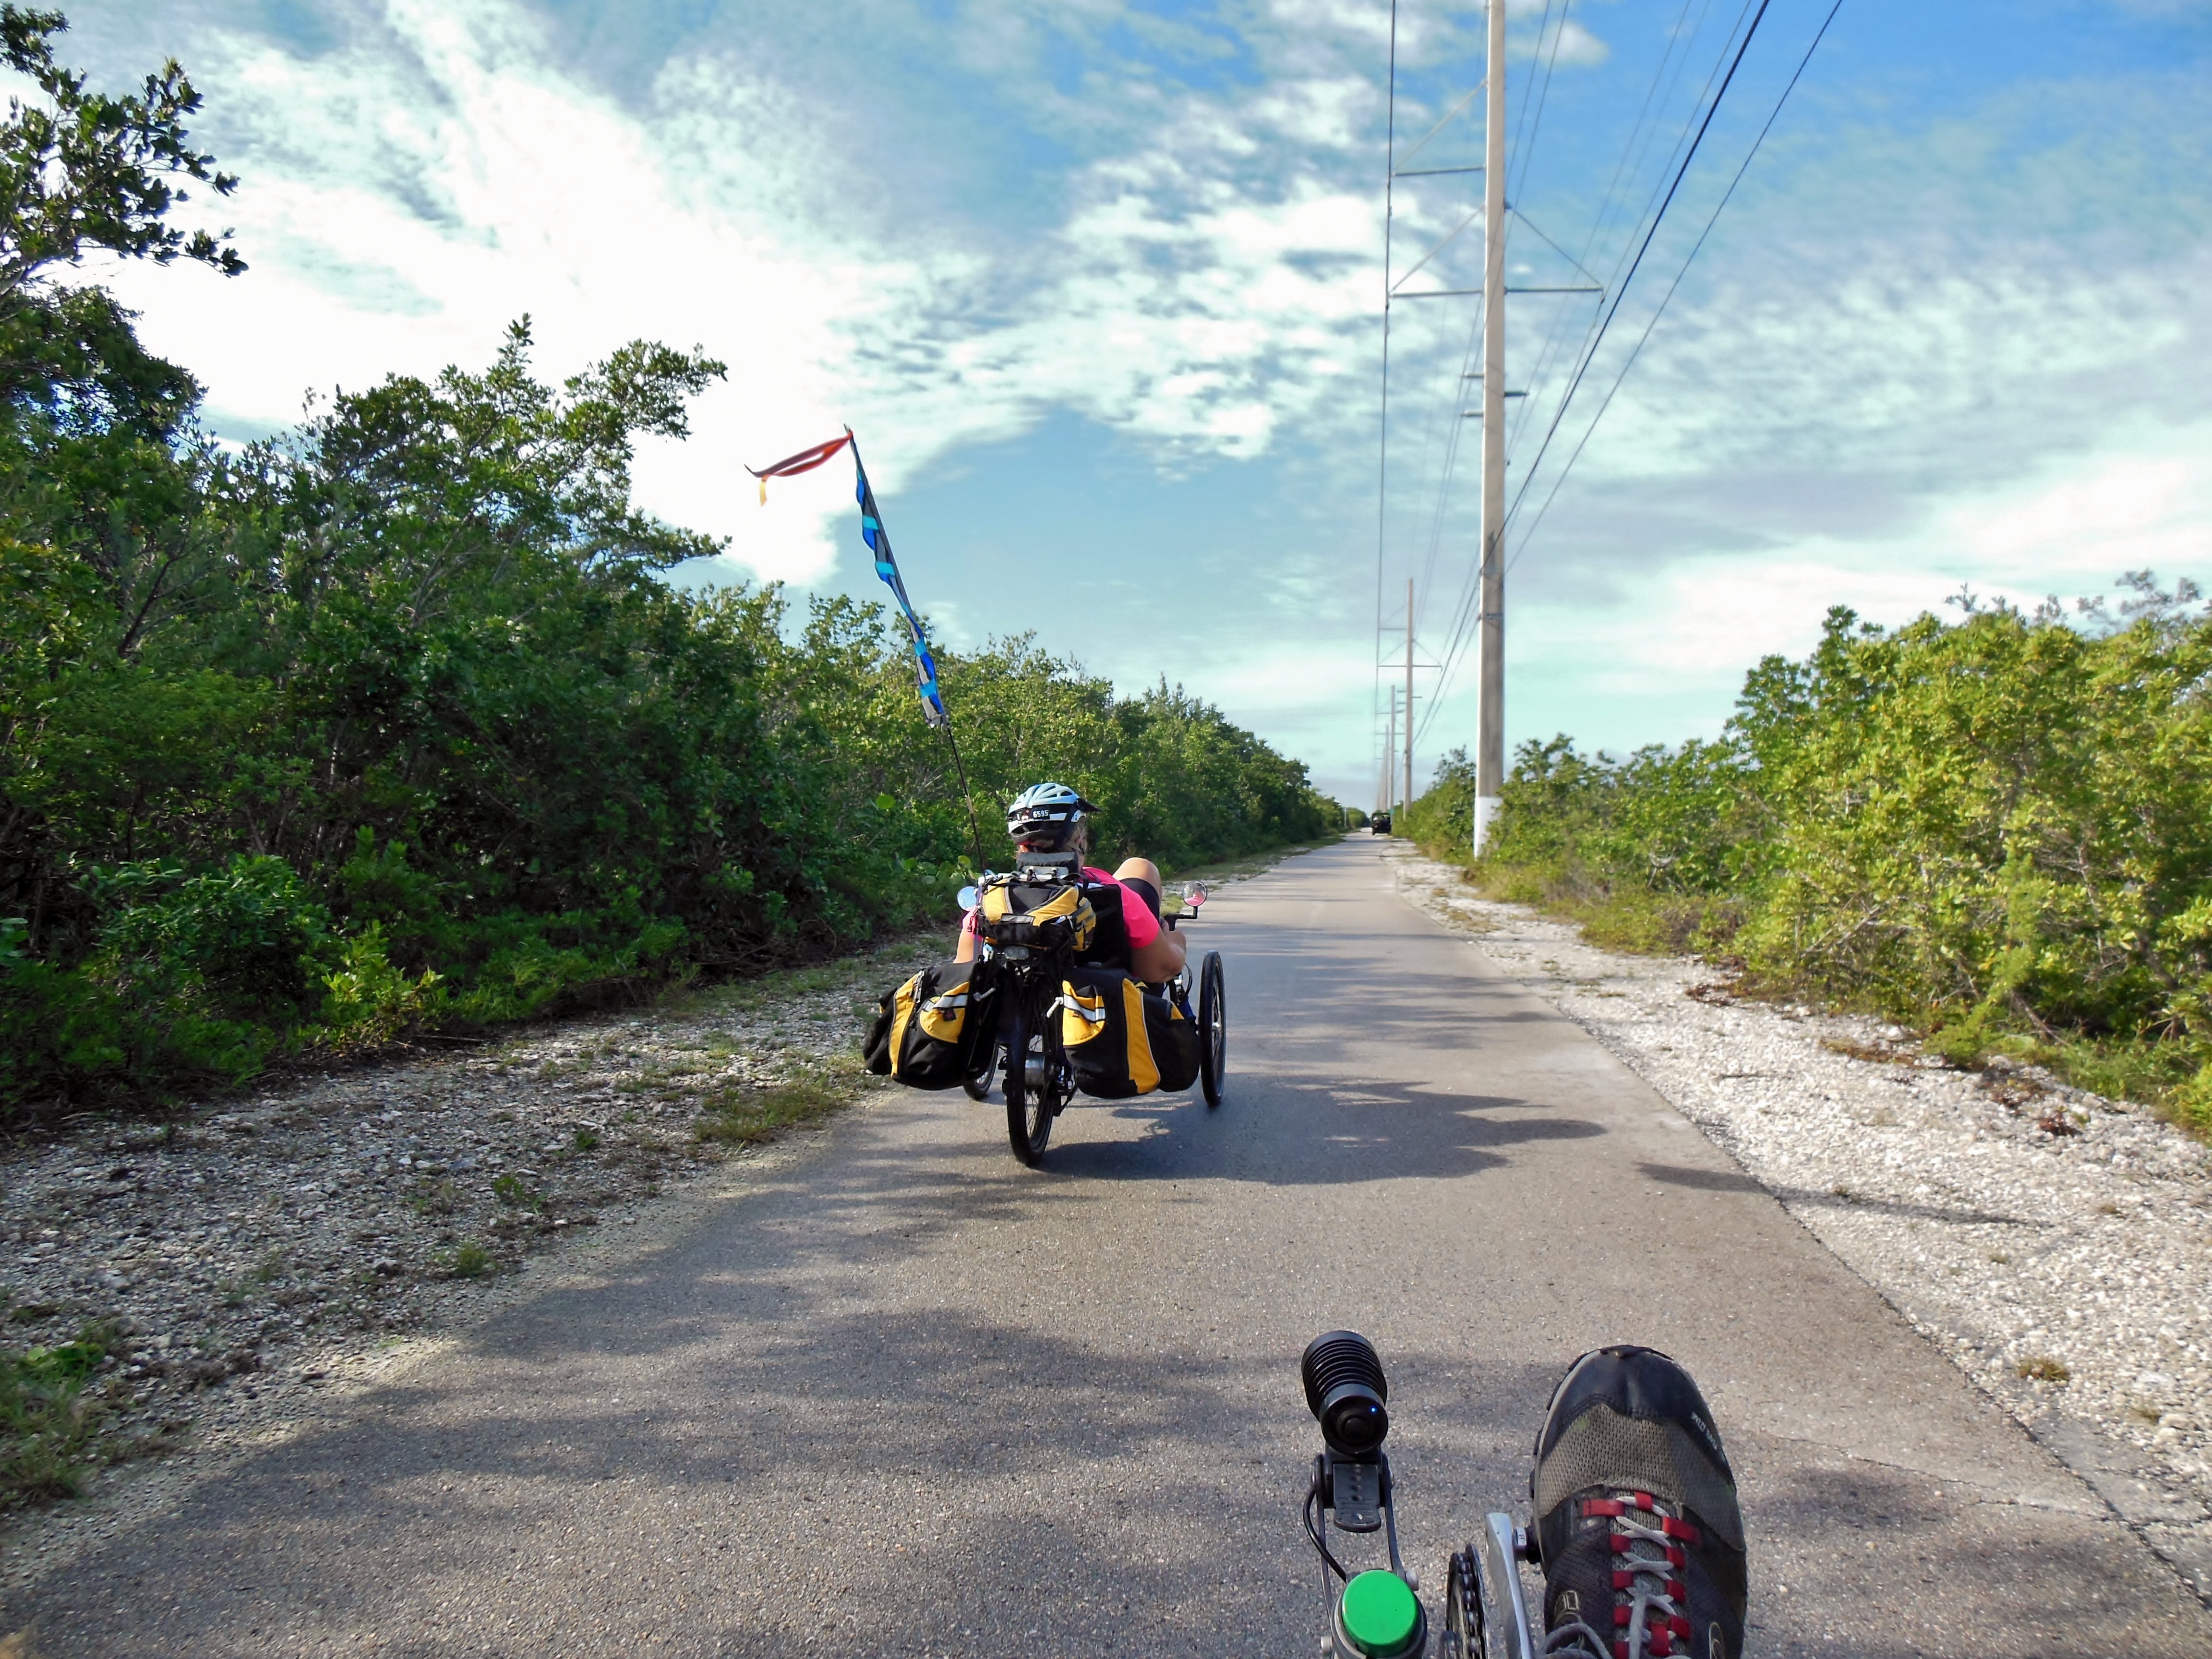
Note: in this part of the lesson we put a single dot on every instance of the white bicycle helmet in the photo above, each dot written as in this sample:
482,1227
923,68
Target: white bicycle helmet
1045,814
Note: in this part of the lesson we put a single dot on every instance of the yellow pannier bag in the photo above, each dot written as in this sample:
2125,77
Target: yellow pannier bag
1122,1039
928,1033
1045,916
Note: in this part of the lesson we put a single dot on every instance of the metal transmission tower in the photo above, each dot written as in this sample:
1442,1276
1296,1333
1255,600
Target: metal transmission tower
1490,637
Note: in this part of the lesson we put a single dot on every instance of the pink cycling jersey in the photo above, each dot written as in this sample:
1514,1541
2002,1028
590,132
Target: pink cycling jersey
1136,915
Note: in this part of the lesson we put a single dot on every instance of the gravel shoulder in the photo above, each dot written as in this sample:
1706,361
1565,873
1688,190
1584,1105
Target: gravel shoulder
2055,1245
259,1256
258,1260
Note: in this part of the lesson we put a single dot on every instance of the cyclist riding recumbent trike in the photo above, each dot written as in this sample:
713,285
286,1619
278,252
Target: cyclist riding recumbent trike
1073,970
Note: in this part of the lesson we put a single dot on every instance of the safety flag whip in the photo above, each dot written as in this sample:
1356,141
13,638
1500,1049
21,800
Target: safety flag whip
879,547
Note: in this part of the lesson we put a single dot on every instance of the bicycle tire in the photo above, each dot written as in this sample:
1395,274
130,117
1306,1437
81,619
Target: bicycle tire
1029,1112
1212,1028
979,1086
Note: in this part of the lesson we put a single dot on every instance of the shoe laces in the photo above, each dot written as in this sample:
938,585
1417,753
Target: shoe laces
1649,1596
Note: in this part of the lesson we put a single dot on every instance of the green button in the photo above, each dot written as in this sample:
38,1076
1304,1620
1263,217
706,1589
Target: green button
1379,1612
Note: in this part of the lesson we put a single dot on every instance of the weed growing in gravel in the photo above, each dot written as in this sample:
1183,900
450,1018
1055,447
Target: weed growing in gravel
1871,1053
509,1189
744,1117
2042,1367
586,1140
434,1198
49,1421
470,1261
269,1269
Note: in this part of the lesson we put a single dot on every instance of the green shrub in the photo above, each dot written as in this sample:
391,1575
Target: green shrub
1996,829
399,720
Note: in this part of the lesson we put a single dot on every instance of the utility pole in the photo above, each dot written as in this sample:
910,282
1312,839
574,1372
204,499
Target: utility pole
1409,690
1490,634
1390,749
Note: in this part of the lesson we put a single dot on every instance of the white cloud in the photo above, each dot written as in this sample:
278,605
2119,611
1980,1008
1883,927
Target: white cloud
1906,360
2148,508
1568,44
410,192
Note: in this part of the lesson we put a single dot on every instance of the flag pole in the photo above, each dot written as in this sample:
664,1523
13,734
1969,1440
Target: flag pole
974,829
914,624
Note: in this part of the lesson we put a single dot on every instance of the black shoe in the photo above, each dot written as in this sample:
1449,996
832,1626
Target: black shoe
1637,1523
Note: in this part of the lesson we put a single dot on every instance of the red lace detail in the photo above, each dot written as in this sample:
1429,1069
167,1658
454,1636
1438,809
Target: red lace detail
1652,1608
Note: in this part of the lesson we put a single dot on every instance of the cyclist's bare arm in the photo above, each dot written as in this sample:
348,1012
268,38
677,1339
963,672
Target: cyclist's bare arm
1160,961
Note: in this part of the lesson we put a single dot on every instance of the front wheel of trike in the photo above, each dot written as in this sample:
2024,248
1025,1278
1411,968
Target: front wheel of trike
1212,1028
1029,1098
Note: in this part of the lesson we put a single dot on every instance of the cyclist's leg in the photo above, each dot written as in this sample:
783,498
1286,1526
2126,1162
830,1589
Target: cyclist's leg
1636,1514
1142,878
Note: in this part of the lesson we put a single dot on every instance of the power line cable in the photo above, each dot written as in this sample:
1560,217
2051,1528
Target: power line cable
1525,152
1451,663
1713,220
1536,62
1540,380
1617,283
1621,293
1463,616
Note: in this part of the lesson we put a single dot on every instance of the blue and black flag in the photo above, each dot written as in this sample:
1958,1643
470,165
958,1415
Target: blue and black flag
879,544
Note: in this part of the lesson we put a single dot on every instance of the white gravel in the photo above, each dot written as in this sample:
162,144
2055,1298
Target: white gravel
248,1254
2056,1245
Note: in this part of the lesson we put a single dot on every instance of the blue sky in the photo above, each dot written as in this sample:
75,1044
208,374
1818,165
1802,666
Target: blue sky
1099,285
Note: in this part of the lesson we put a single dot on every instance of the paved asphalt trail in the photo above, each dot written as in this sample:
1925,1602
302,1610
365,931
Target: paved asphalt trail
901,1396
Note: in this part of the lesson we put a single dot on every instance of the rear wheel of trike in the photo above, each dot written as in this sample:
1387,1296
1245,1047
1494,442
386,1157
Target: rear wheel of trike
1212,1028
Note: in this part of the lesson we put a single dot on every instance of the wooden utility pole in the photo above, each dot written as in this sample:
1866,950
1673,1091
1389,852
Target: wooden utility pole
1409,690
1490,634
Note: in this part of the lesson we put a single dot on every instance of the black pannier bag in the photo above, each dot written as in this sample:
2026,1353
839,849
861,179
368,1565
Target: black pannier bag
1029,909
929,1033
1121,1039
